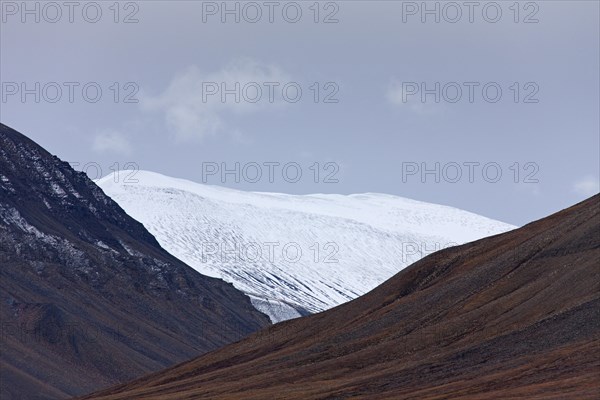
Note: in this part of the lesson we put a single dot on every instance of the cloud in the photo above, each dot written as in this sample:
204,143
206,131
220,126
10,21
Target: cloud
587,186
395,93
111,142
193,106
404,95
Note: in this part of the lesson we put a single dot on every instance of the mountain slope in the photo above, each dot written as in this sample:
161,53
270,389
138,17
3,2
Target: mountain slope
88,298
293,254
510,316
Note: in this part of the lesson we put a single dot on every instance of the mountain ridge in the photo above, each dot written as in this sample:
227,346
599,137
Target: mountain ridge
85,288
515,315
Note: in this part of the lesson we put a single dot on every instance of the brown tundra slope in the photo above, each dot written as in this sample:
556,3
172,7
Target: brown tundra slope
511,316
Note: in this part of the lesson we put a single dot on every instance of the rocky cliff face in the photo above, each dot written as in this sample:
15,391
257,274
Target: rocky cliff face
89,298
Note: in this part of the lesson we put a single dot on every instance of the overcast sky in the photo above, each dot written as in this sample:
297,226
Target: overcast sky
493,109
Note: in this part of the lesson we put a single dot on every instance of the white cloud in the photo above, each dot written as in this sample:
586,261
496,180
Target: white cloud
587,186
395,94
398,95
191,112
111,142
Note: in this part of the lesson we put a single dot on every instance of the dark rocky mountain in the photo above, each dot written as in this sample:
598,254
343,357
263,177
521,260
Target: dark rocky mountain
88,297
512,316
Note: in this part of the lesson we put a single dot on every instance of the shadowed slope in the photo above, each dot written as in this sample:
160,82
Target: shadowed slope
511,316
88,298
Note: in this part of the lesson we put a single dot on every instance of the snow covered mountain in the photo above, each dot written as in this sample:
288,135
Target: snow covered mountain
293,254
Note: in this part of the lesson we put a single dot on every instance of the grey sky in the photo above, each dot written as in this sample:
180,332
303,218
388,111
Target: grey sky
370,61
